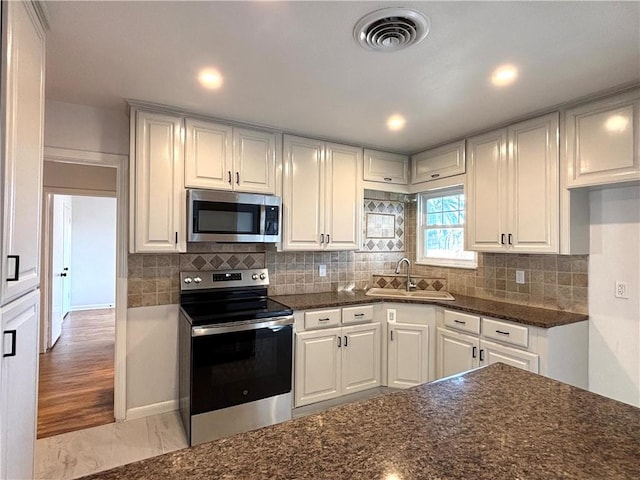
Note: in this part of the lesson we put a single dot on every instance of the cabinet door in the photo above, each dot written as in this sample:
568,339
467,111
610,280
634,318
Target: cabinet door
22,113
456,352
440,162
492,352
302,194
386,167
159,197
486,195
254,159
360,357
343,197
317,366
602,141
208,156
408,362
533,186
19,393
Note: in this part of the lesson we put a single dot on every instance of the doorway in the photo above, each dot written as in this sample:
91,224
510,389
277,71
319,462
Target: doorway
76,379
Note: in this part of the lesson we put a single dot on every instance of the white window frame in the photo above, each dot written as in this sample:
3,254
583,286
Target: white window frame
421,259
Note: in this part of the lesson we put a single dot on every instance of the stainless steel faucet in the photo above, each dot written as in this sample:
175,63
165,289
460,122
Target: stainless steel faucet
410,284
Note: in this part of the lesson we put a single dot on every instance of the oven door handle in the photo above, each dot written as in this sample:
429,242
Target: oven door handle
274,323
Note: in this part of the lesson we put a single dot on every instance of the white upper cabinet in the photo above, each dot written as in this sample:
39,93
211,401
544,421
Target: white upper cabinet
602,141
22,148
386,167
208,155
158,197
513,184
222,157
322,195
441,162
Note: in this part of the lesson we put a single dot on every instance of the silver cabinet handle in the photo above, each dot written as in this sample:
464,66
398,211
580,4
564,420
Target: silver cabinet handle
238,178
510,239
346,341
229,177
482,354
474,352
391,331
328,238
322,238
339,341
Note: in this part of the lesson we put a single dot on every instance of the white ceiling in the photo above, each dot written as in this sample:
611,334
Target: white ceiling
295,65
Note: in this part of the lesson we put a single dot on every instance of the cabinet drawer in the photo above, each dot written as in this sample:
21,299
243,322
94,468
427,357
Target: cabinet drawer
322,318
505,332
462,321
357,314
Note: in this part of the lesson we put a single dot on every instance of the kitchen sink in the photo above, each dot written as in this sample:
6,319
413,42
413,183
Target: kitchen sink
421,294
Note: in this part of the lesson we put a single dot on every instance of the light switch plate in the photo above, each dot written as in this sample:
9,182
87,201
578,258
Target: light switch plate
520,276
322,270
391,315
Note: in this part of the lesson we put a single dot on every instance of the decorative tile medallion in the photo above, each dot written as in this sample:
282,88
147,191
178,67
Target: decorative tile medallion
383,226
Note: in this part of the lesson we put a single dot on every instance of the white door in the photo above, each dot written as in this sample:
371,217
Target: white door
317,365
22,113
208,161
343,197
254,160
456,352
486,192
408,355
360,357
159,201
302,194
19,393
60,261
534,185
492,352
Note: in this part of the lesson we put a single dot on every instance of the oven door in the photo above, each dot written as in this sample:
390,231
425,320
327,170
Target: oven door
232,365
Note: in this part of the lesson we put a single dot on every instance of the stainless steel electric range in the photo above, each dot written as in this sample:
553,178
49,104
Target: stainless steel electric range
236,352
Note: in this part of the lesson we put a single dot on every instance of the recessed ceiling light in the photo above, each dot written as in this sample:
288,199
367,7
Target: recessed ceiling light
210,78
396,122
504,75
616,123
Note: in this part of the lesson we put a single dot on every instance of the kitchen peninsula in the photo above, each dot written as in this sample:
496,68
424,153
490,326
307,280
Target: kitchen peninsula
496,422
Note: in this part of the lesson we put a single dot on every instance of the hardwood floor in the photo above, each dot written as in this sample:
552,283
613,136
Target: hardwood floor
77,374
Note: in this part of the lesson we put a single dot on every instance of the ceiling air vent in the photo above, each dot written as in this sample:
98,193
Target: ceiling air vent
391,29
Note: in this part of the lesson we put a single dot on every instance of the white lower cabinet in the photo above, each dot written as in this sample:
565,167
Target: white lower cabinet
459,352
336,361
408,361
19,379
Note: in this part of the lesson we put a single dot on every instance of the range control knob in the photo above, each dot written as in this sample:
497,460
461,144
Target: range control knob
254,276
197,280
187,280
262,276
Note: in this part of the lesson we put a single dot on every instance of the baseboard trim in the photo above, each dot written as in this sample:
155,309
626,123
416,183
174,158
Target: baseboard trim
99,306
153,409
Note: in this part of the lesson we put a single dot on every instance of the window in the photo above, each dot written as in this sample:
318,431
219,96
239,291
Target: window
441,216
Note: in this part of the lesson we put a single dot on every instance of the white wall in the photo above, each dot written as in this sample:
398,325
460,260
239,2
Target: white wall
93,252
614,333
80,127
152,360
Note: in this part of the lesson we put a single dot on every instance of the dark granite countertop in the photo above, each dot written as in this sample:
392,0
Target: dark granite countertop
496,422
538,317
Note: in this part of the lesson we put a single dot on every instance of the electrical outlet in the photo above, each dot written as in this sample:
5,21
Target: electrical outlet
322,270
519,276
391,315
622,290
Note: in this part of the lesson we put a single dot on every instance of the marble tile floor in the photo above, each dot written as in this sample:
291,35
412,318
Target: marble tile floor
79,453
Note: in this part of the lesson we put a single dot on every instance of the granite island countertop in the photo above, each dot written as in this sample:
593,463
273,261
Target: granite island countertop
535,316
496,422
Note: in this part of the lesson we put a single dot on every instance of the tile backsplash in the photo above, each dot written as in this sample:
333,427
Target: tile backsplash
551,281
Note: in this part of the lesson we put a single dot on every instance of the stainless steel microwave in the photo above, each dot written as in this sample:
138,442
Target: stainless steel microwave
233,217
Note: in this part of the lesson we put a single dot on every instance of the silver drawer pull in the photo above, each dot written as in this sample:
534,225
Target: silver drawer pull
460,322
324,319
501,332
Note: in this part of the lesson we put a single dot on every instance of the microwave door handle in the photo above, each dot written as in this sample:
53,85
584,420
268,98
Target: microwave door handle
263,218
